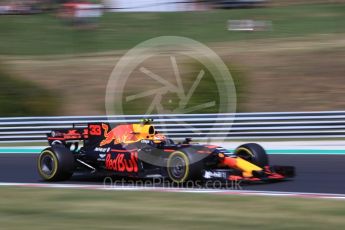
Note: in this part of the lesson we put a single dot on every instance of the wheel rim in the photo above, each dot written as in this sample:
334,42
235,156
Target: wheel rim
245,154
47,164
178,167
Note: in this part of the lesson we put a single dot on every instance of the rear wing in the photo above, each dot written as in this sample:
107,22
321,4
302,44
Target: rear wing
92,132
66,135
101,134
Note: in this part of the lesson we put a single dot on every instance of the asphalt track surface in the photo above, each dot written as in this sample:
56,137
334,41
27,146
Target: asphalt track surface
314,173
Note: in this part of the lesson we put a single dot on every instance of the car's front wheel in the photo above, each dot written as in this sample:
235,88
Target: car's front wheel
253,153
181,169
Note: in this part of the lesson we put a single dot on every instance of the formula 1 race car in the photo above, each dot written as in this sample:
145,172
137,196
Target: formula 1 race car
139,151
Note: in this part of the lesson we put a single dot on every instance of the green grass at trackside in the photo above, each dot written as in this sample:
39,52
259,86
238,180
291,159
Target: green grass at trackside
45,34
37,209
23,97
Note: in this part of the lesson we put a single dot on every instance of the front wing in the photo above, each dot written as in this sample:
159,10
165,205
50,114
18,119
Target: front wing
269,174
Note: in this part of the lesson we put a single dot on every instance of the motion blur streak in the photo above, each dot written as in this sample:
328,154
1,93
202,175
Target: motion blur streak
315,173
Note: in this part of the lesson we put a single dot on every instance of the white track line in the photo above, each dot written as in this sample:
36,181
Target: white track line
180,190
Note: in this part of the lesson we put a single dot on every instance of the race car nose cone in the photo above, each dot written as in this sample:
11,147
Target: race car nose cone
259,174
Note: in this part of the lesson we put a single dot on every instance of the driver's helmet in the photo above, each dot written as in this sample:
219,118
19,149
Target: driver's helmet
159,137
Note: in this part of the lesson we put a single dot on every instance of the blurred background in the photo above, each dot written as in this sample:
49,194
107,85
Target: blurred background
56,57
284,55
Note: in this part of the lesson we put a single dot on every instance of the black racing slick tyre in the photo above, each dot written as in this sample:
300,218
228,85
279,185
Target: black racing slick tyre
181,168
56,163
253,153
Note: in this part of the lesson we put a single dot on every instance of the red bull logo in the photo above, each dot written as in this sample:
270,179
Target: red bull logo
121,164
120,134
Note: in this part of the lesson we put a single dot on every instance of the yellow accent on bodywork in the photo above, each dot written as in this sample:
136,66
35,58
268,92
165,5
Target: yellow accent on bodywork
143,131
246,167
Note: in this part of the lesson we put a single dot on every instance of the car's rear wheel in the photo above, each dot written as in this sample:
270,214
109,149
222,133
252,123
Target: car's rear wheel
55,164
253,153
180,169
